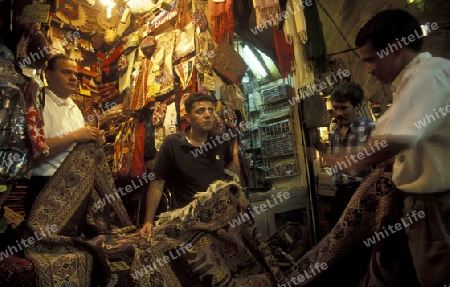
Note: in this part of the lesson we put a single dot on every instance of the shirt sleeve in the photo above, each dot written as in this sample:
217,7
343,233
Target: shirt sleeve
416,112
79,116
371,129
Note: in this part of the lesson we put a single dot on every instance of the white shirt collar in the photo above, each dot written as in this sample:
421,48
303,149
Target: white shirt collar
59,101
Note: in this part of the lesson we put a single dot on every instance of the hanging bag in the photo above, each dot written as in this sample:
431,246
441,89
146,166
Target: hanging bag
15,155
35,98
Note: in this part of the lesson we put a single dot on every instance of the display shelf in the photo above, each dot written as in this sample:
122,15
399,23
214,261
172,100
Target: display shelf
275,94
283,176
277,100
276,135
278,155
275,116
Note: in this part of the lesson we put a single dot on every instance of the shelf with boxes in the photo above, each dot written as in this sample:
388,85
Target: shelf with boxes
277,137
276,153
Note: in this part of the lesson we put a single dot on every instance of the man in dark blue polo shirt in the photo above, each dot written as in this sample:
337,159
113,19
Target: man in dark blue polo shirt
188,161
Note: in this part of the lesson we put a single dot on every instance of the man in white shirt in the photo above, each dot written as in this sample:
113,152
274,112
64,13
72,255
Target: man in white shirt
417,131
64,123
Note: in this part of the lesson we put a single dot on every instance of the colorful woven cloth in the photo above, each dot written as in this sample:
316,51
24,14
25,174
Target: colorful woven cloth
197,245
375,205
219,255
221,20
63,212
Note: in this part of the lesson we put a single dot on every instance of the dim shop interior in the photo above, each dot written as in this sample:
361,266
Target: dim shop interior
138,61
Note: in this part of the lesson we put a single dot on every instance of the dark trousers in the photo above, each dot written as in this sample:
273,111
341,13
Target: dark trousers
35,185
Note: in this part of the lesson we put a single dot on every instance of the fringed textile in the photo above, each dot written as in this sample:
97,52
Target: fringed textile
296,22
266,12
285,52
221,20
303,73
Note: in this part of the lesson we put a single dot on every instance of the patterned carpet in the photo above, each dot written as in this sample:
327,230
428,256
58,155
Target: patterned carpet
196,246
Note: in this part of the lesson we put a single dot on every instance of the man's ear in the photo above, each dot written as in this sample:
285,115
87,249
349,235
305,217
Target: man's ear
188,118
357,107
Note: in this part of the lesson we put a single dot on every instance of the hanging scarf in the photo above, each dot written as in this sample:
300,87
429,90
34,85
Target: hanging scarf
295,24
266,11
221,20
285,52
303,73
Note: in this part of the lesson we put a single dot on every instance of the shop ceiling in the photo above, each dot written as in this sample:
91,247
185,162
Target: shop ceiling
338,18
91,19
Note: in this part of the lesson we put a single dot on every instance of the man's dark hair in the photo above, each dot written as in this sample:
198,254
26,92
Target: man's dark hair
390,26
350,91
195,98
51,64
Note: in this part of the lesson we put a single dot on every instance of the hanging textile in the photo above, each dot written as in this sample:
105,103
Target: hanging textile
149,142
159,114
133,98
15,152
70,12
233,96
170,121
184,71
184,42
138,167
200,20
182,96
228,64
160,79
315,112
303,73
266,12
124,147
315,48
126,63
183,16
295,24
285,52
34,99
228,116
221,20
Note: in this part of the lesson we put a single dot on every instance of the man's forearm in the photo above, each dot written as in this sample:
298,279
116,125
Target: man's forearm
374,152
154,193
59,144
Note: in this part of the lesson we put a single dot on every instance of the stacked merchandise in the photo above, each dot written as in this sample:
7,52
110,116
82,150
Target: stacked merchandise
277,145
275,93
